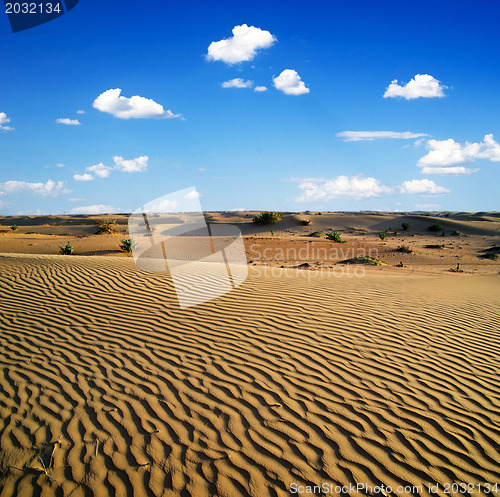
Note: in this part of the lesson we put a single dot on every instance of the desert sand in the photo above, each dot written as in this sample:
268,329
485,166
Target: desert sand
300,377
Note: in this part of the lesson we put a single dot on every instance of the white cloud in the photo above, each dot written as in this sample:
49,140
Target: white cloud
3,120
134,107
48,189
290,82
421,86
100,170
260,89
80,112
237,209
242,46
357,187
83,177
162,205
68,122
193,195
59,165
354,136
448,170
202,169
237,83
132,165
425,187
94,209
446,153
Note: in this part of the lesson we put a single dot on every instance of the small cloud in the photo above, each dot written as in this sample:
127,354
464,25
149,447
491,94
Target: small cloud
202,169
75,199
48,189
193,195
425,187
3,120
354,136
260,89
83,177
237,83
356,187
237,209
132,165
290,83
445,153
134,107
94,209
448,171
421,86
68,122
59,165
242,46
304,179
80,112
100,170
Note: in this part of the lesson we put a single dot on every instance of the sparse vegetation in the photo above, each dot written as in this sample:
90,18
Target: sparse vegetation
14,227
268,217
493,253
382,235
405,249
406,226
106,226
305,222
456,233
334,236
432,246
66,249
366,260
128,245
435,227
317,234
319,213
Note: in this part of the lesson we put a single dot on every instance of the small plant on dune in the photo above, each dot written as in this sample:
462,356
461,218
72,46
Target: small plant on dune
268,217
128,245
272,232
456,233
317,234
305,222
406,226
14,227
382,235
334,236
319,213
405,249
433,246
66,249
106,226
435,227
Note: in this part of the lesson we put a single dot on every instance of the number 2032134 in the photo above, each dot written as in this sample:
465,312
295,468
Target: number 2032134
33,8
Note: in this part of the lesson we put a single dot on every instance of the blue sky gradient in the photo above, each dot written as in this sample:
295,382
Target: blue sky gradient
244,149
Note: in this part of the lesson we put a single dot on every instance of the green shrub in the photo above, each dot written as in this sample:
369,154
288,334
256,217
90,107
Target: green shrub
406,226
66,249
128,245
365,260
435,227
382,235
334,236
456,233
435,246
14,227
405,249
305,222
317,234
106,226
268,217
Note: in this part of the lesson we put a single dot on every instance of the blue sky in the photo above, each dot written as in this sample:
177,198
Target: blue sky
326,67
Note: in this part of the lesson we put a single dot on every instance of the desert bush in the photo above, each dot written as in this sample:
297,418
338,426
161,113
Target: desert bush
268,217
128,245
106,226
317,234
435,227
305,222
432,246
66,249
406,226
382,235
14,227
365,260
334,236
456,233
405,249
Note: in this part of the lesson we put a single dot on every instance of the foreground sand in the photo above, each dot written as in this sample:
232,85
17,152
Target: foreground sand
287,379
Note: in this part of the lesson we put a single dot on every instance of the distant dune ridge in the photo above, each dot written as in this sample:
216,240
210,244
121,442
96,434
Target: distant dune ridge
108,388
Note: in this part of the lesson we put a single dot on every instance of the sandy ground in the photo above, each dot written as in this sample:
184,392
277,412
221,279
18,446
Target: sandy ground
298,377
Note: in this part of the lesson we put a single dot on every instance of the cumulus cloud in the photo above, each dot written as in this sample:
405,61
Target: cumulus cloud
134,107
100,170
290,83
48,189
68,122
94,209
445,155
421,86
4,120
242,46
356,187
193,195
354,136
80,112
83,177
237,83
260,89
425,187
131,165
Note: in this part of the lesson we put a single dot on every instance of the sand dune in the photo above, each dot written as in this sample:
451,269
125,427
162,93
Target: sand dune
284,380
